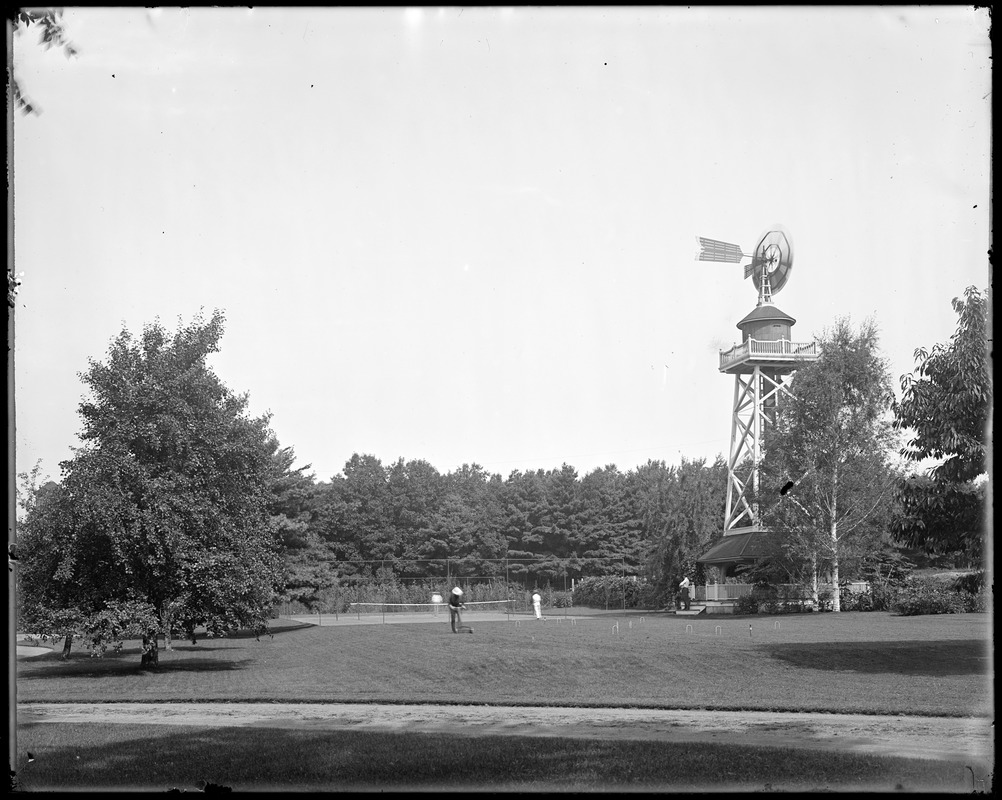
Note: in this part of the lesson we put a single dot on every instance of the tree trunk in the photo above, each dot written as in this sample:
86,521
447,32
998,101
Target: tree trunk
814,580
833,532
166,624
836,594
67,644
151,652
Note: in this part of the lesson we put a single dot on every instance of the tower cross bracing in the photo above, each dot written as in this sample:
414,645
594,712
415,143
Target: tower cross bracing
757,397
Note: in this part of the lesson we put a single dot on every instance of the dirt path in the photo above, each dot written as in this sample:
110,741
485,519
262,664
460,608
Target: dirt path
917,737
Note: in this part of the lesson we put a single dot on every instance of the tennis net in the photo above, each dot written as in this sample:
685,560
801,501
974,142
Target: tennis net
474,607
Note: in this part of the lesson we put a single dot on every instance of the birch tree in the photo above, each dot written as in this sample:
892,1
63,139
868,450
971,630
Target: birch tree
827,479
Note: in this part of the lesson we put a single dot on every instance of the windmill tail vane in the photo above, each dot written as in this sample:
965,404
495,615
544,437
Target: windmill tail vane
715,250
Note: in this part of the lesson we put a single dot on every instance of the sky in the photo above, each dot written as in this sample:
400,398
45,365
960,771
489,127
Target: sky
468,236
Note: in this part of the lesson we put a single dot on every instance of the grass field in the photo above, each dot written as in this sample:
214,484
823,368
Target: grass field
853,663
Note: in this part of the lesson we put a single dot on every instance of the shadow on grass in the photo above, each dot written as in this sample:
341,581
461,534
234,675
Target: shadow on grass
85,756
958,657
275,628
120,664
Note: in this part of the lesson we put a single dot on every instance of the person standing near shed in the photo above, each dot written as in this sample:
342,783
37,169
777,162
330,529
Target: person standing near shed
683,589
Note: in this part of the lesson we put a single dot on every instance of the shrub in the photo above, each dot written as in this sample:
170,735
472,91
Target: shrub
927,597
793,600
978,602
972,583
610,591
649,595
746,605
882,597
764,592
878,598
943,594
557,599
853,601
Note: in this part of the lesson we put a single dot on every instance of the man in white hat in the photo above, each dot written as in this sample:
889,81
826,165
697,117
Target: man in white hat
684,590
455,604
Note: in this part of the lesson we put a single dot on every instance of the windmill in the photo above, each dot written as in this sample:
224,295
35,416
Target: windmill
759,364
771,259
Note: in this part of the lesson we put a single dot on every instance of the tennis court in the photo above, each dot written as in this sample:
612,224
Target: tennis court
429,613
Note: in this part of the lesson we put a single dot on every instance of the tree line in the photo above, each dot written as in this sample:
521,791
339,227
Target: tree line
180,512
535,527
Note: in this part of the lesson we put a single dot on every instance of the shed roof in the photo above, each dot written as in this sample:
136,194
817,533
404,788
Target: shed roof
740,547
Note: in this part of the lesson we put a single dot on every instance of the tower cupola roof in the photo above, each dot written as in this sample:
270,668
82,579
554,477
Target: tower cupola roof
766,312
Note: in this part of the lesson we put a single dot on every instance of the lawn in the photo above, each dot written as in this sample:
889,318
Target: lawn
854,663
150,757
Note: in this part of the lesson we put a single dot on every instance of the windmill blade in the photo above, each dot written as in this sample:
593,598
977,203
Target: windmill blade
715,250
774,254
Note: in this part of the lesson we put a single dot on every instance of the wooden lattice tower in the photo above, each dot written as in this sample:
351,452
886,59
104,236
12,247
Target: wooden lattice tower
761,366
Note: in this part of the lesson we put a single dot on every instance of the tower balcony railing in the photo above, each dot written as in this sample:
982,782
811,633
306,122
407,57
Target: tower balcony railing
776,350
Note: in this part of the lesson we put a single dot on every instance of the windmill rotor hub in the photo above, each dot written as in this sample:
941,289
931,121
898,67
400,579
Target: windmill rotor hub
772,257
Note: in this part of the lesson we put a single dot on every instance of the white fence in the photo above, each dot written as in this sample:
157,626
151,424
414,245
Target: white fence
733,591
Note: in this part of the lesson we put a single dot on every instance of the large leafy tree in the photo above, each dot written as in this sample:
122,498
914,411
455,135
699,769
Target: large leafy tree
163,512
415,494
945,406
42,537
481,542
293,512
826,475
559,526
610,535
367,520
524,511
682,509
